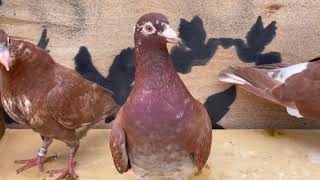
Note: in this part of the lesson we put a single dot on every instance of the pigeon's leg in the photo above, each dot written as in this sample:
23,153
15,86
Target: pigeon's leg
39,160
69,170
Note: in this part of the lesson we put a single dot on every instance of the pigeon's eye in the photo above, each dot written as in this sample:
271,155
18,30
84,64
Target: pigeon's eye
149,28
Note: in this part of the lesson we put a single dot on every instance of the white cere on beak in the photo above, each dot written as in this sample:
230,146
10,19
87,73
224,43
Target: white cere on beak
169,33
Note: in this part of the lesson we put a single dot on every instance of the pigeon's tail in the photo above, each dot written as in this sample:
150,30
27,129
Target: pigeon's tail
255,80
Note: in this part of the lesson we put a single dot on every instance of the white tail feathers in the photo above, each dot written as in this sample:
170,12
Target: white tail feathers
282,74
229,77
294,112
277,72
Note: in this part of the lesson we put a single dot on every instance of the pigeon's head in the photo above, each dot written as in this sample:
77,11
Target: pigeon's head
5,58
153,28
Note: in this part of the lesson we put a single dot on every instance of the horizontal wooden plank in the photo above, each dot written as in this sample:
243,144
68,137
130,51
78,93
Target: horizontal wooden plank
93,37
235,154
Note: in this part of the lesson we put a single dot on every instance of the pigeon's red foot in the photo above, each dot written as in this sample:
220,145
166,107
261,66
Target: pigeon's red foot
67,172
29,163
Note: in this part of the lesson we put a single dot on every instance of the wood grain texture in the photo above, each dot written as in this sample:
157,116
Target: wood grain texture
105,28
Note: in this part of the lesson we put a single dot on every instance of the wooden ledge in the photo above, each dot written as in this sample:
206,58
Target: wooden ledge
236,154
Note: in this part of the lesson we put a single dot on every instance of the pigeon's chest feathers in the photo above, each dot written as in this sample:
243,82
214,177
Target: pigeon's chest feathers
159,96
161,106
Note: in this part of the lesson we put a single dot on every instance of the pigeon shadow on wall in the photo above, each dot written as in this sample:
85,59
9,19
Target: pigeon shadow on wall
257,39
249,51
84,65
120,76
196,51
44,40
218,105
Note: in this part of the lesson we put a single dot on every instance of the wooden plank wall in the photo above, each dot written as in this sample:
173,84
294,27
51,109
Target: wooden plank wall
96,38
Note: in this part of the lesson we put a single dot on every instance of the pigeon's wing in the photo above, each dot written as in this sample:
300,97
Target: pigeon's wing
203,142
293,86
262,80
118,146
301,90
75,102
302,93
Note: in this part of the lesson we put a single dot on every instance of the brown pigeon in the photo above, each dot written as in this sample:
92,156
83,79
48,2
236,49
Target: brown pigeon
296,87
53,100
161,130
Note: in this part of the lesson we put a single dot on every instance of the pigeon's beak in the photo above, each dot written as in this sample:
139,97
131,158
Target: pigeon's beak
5,58
170,35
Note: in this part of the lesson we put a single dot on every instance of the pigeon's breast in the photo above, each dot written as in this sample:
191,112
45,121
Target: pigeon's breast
155,123
167,160
160,106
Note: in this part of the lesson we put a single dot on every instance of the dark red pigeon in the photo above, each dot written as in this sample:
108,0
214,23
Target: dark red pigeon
295,87
161,130
53,100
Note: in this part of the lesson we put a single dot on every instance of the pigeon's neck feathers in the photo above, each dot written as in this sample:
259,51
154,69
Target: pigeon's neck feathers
153,63
155,72
149,57
28,59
